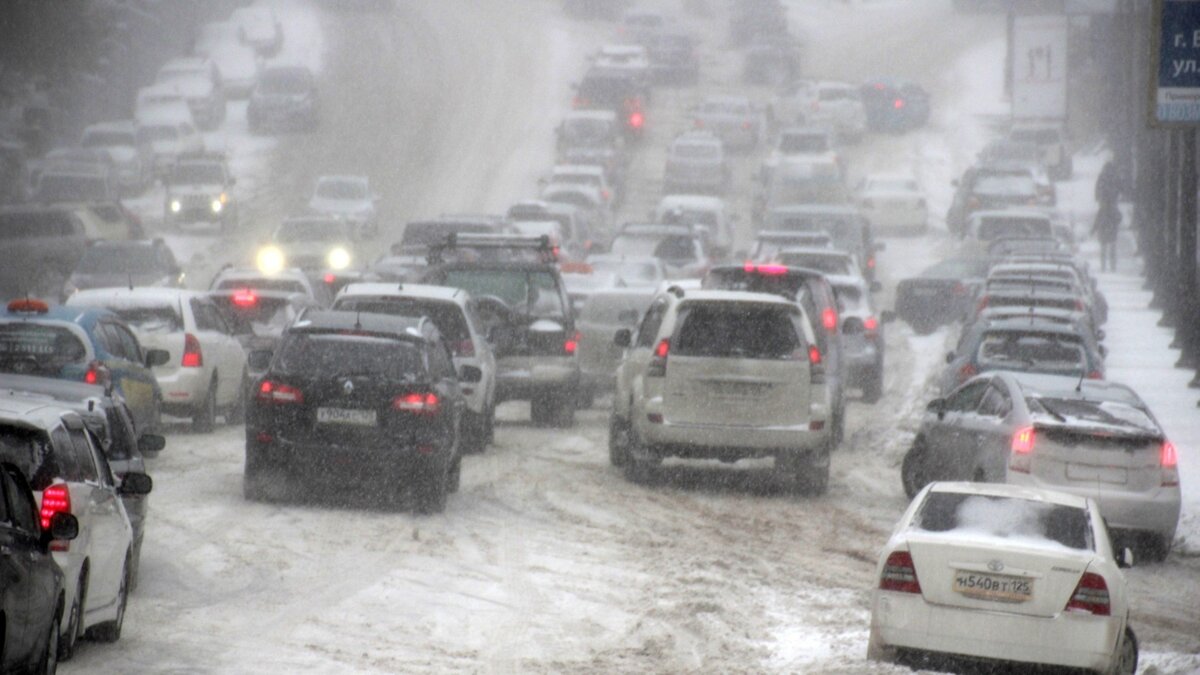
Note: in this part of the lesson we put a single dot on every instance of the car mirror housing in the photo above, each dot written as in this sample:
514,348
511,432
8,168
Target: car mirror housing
136,484
470,375
63,527
157,357
151,443
623,338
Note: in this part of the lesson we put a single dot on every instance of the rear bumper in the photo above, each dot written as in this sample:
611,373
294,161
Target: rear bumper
309,460
905,621
696,440
183,389
1155,510
522,378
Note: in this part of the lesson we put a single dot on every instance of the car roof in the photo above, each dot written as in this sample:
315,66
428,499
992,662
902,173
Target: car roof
118,296
708,295
1023,326
817,209
1011,491
590,169
411,327
1066,386
691,201
421,291
31,411
123,126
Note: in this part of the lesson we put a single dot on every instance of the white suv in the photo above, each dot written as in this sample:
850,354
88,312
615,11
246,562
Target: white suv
722,375
453,312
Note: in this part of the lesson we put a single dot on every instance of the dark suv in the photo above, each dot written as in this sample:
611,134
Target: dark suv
364,396
520,297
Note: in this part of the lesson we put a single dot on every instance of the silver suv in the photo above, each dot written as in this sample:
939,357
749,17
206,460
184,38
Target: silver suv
723,375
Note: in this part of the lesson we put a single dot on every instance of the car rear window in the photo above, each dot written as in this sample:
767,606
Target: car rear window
826,264
736,330
447,316
850,298
1107,413
335,354
792,143
1031,350
260,284
162,319
30,450
34,348
1020,520
68,188
529,292
1007,226
1005,184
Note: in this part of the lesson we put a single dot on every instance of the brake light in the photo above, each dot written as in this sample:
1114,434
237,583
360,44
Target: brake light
244,298
1095,375
1078,305
571,344
829,319
274,392
871,262
658,365
606,195
1091,596
329,278
418,403
967,371
898,104
871,324
899,574
1168,458
765,270
1021,459
816,370
636,120
192,356
814,355
56,498
973,203
97,373
465,347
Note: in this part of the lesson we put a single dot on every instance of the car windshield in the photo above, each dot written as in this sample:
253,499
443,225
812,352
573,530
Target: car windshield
263,284
1020,521
38,349
1032,351
736,330
531,292
800,143
108,139
71,188
1003,227
197,174
30,451
295,231
447,316
284,81
342,189
333,354
151,319
119,260
672,248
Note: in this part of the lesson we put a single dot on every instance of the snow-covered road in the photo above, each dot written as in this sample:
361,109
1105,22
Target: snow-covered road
547,560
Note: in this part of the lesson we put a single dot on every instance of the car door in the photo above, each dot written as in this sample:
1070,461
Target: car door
944,434
986,437
106,517
17,587
218,342
24,540
637,356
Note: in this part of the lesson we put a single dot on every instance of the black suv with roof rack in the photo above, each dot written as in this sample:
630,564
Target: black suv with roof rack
364,396
520,296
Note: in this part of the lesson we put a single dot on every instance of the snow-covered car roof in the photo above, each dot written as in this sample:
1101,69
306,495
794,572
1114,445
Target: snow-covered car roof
691,202
132,298
1010,491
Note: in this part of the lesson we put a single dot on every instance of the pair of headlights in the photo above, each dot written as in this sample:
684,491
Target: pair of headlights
216,206
270,260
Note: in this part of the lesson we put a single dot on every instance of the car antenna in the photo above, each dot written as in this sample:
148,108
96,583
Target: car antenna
358,319
1079,385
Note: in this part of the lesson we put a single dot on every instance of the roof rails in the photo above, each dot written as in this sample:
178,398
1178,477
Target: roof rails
676,291
455,240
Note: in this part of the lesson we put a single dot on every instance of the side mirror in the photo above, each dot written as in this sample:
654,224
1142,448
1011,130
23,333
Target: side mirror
136,484
623,338
470,375
888,315
1125,558
157,357
63,527
259,359
935,405
151,443
876,287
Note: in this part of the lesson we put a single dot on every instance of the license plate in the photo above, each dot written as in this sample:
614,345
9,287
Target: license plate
738,389
999,587
366,418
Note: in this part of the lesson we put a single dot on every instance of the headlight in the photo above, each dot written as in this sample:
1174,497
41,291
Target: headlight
270,260
224,198
338,258
217,206
176,206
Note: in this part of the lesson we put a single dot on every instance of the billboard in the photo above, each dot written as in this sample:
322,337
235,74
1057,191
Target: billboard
1176,68
1039,67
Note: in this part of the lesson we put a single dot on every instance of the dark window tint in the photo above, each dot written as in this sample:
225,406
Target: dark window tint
650,324
447,316
22,511
284,285
208,318
735,330
995,403
531,292
30,450
119,259
332,354
83,461
151,319
1005,518
968,397
38,348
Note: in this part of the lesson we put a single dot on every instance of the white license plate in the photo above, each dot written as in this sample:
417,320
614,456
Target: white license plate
366,418
999,587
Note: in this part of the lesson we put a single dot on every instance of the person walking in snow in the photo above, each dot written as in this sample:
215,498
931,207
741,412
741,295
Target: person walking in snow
1108,219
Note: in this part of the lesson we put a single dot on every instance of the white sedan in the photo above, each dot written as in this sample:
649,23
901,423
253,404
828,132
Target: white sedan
984,572
893,203
207,371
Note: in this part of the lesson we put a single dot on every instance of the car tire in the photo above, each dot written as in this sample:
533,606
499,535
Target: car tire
49,662
67,642
640,470
873,387
110,631
1126,661
135,564
431,489
252,477
618,441
205,417
913,475
1152,547
236,413
807,472
585,398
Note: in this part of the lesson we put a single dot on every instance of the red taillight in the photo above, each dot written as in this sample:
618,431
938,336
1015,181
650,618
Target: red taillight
663,348
1091,596
465,347
814,355
606,195
829,319
899,574
56,498
419,403
765,270
274,392
870,324
97,373
871,262
1168,458
636,120
898,104
1095,375
967,371
658,365
973,203
571,344
192,356
1021,459
329,278
91,376
244,298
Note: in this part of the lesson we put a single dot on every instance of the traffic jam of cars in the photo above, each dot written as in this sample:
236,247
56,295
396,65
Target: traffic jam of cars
697,280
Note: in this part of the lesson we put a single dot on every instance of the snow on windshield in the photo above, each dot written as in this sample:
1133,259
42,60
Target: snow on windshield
1015,520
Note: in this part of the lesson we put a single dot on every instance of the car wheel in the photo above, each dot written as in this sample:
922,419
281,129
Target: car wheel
873,387
1152,547
1126,661
808,472
49,664
639,468
912,471
253,484
618,441
110,631
541,410
67,642
474,433
236,414
431,489
205,417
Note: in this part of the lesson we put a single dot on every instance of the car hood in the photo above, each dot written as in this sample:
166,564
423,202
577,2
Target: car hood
180,190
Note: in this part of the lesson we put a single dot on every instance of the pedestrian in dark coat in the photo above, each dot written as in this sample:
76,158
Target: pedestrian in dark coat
1108,220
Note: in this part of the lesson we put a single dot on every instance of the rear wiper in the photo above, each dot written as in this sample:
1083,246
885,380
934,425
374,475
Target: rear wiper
1050,409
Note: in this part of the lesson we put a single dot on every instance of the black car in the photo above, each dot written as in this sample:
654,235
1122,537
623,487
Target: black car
111,264
359,396
617,89
285,97
32,593
941,294
894,105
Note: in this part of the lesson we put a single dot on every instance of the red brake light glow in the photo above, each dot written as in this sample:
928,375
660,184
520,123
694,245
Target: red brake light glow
814,355
56,498
244,297
330,277
274,392
898,104
899,574
829,319
1022,442
571,344
663,348
1091,596
871,262
871,324
419,403
192,356
967,371
1168,457
636,120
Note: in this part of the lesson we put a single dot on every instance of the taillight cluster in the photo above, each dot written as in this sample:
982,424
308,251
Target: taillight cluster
816,367
829,319
658,364
193,357
279,394
56,498
1091,596
1021,458
899,574
97,373
418,403
1168,459
571,344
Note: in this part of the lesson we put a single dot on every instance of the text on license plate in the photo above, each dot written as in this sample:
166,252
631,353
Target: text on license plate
999,587
346,416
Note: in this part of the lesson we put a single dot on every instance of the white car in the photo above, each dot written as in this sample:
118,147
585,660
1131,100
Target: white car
206,373
69,474
592,175
271,275
453,312
1002,573
893,203
632,57
631,271
239,64
723,375
348,197
711,213
836,105
313,244
119,140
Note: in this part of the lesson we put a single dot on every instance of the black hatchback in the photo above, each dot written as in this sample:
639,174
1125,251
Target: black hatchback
362,397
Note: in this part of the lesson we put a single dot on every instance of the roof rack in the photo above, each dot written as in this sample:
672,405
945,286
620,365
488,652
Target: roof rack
541,244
